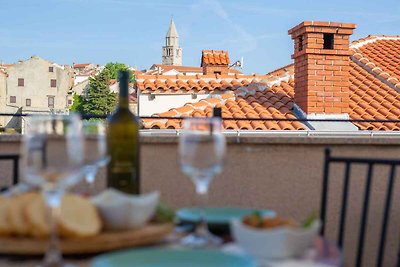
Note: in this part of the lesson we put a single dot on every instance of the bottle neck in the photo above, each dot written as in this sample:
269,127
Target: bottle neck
123,93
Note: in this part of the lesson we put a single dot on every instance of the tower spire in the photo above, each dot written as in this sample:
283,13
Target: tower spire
172,32
172,53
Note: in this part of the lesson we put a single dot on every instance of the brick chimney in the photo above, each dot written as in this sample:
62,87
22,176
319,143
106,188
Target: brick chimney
215,62
321,62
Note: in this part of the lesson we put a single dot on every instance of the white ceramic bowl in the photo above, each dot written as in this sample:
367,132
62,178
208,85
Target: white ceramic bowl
275,243
120,211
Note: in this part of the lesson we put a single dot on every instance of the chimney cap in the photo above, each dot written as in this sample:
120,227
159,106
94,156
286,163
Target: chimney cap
326,24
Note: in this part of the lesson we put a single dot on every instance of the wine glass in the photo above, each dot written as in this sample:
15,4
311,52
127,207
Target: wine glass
96,157
53,158
201,153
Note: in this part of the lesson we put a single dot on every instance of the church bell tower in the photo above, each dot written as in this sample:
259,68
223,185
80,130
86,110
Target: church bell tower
172,53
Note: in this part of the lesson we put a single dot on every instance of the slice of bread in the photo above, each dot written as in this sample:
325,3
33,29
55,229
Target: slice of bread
5,228
36,215
16,213
78,217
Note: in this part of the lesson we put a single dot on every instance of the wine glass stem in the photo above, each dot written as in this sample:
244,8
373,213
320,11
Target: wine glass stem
53,255
90,177
202,194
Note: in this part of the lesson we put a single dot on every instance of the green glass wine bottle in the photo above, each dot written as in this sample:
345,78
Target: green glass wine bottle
123,143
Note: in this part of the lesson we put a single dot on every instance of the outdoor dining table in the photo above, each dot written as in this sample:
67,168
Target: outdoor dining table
322,254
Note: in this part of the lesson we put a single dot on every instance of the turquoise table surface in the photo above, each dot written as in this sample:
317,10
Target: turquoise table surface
219,215
170,257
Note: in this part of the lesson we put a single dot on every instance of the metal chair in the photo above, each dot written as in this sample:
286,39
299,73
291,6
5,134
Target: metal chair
370,163
15,160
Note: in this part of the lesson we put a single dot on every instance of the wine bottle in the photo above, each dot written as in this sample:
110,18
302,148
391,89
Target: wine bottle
123,143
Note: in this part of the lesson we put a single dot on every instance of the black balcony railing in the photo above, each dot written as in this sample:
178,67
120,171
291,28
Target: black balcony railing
104,116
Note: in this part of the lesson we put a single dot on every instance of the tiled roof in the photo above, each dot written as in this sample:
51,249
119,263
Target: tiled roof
6,65
80,65
192,84
215,57
137,73
371,99
381,55
259,102
374,93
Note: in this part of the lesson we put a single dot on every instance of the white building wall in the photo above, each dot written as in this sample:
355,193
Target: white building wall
3,97
80,78
164,102
80,88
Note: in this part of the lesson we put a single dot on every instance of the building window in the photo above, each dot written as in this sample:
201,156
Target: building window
51,69
28,102
50,101
53,83
13,99
69,102
217,72
21,82
328,40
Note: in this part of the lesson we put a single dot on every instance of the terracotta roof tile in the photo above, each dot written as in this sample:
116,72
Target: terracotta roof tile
80,65
191,84
374,95
381,55
364,102
240,107
214,57
3,65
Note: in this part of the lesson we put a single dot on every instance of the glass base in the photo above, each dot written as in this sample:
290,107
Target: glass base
59,264
56,264
196,240
55,259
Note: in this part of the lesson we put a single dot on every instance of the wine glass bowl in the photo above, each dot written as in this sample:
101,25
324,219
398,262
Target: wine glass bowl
53,161
95,149
53,151
201,154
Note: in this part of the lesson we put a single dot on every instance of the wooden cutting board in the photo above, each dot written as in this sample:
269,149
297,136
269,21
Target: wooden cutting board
105,241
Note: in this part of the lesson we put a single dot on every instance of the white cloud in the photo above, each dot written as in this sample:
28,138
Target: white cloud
245,40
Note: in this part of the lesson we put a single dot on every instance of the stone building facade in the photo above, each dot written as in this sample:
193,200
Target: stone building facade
34,86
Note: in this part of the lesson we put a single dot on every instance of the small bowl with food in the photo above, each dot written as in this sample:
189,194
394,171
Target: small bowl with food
267,238
120,211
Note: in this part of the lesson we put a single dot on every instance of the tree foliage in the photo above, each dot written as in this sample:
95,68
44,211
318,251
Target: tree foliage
77,103
113,69
99,100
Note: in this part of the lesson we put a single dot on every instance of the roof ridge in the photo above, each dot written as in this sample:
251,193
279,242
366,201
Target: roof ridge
367,64
371,39
372,68
281,68
262,85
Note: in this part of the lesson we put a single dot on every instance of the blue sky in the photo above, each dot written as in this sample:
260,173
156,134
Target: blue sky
132,32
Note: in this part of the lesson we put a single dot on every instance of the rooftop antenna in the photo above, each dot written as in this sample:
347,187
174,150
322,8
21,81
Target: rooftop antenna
238,64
